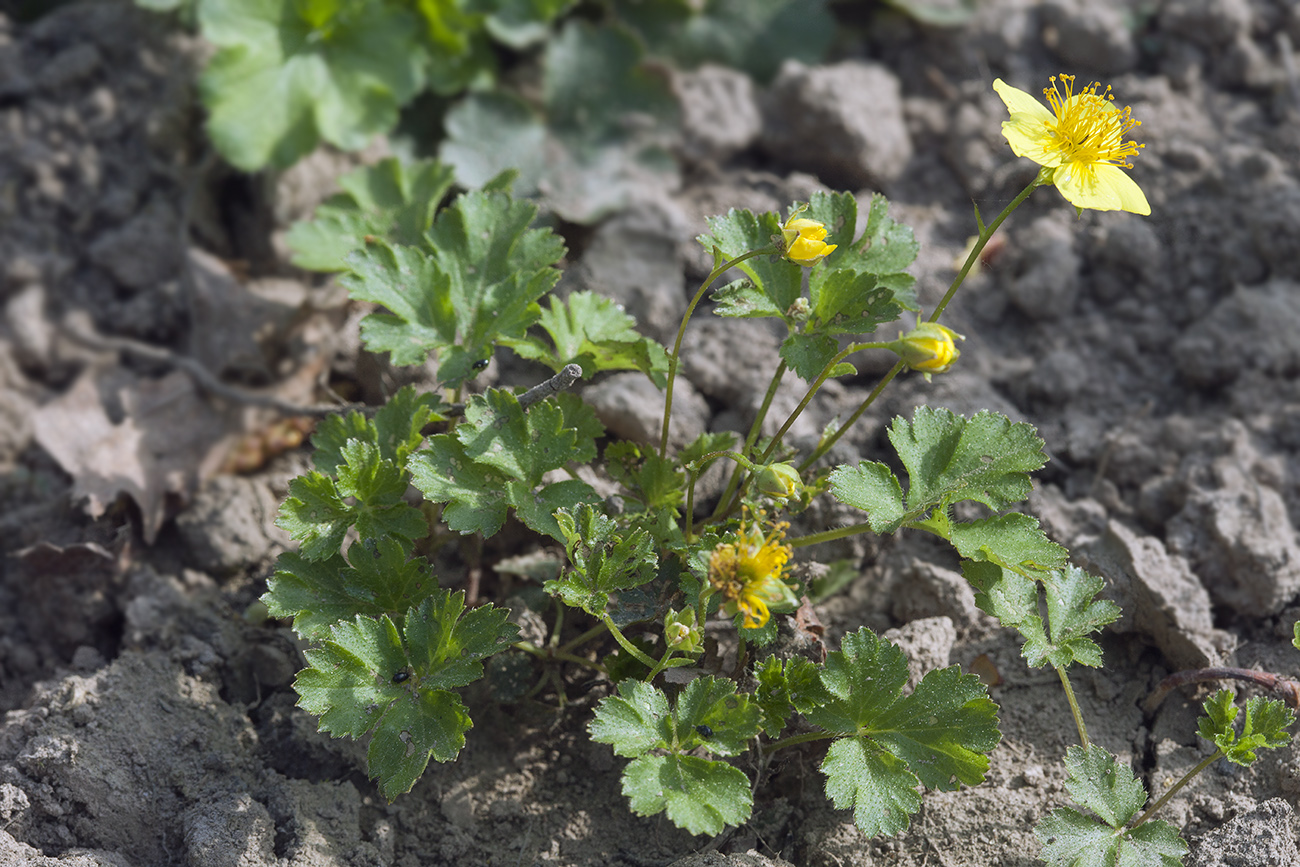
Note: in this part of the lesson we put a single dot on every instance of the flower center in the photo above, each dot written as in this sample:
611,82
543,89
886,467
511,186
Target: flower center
1089,128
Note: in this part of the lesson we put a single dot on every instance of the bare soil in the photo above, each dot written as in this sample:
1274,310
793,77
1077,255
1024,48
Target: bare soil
149,713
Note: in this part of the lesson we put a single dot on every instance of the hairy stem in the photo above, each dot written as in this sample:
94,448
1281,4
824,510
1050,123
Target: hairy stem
717,272
1187,778
812,390
795,740
625,644
724,502
828,535
582,639
1074,706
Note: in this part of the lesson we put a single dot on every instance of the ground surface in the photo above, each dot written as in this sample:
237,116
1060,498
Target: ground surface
150,723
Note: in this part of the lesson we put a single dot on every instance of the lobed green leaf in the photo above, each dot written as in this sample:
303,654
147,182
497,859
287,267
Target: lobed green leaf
1264,727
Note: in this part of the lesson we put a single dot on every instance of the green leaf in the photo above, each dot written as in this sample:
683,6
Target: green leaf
808,354
850,302
602,134
279,82
391,201
520,23
886,249
315,515
478,285
1073,611
1265,726
753,35
698,795
497,457
475,495
773,696
372,676
774,283
948,459
592,331
604,560
871,486
1099,782
938,736
376,578
1013,540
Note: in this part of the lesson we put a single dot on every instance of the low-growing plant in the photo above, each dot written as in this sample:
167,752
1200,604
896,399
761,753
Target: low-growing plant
390,646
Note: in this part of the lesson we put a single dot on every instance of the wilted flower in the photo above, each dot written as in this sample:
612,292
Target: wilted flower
1081,139
805,240
747,572
928,348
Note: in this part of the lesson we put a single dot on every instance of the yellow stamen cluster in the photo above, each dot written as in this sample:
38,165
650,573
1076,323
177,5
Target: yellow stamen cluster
747,573
1089,129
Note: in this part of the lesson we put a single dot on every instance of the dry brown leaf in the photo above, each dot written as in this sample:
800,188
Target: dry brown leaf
167,434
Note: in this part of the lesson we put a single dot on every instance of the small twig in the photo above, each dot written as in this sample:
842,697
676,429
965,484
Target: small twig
1288,689
562,381
203,378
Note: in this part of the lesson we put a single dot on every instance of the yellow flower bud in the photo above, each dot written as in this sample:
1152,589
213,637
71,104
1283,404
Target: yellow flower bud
805,240
780,481
928,348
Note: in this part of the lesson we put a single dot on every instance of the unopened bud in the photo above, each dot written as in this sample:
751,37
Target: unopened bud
780,481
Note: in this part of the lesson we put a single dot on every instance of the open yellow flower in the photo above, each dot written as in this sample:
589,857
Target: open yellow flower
1081,139
805,240
747,572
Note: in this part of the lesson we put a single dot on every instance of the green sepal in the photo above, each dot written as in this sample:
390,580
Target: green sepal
1264,726
1099,782
939,735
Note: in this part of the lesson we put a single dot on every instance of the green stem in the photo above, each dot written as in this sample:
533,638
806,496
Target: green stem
828,535
717,272
625,644
795,740
1074,706
546,653
581,639
812,390
985,234
1187,778
830,441
660,665
734,482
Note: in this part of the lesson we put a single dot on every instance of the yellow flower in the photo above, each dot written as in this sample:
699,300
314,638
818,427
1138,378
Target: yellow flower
1081,139
928,347
747,572
805,240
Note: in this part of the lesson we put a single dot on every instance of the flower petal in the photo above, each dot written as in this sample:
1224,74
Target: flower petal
1103,188
1030,137
1019,102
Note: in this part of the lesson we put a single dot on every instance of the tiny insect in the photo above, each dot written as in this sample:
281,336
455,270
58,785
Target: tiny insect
402,676
481,363
704,731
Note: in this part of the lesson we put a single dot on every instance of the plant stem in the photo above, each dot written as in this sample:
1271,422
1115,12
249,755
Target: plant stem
1187,778
625,644
986,233
795,740
660,665
828,535
812,390
1288,689
724,502
546,653
1074,706
582,639
983,239
830,441
717,272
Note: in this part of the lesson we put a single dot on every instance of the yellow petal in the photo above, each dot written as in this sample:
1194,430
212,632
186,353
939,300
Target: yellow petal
1019,102
1101,188
1031,138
